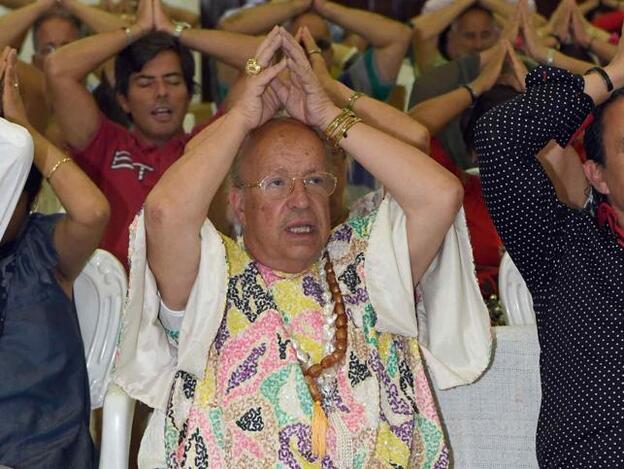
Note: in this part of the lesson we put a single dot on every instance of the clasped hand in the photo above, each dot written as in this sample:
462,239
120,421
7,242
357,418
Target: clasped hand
290,84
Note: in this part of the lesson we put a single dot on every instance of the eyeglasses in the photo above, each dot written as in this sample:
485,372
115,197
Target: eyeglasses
279,187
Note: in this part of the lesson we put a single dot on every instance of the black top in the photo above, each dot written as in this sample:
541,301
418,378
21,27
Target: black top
573,268
44,390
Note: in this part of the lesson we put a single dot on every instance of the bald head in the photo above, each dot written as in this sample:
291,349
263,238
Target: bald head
263,146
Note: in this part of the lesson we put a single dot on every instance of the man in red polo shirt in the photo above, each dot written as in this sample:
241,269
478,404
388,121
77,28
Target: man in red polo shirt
154,79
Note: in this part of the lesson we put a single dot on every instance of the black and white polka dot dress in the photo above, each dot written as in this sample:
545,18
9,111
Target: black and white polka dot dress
574,270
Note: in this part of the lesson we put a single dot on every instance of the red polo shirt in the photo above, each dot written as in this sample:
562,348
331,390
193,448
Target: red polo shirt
126,169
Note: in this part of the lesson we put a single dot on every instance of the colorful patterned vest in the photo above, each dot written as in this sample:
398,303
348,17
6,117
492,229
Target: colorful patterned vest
253,408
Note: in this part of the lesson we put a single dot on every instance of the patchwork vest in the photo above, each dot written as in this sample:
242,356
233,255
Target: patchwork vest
253,408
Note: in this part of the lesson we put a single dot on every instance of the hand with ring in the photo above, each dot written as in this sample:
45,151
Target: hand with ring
12,105
252,97
302,94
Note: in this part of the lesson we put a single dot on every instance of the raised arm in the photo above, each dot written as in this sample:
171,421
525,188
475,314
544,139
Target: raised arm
429,195
177,207
15,24
98,20
78,233
231,48
76,111
261,18
435,113
374,112
388,38
428,25
519,195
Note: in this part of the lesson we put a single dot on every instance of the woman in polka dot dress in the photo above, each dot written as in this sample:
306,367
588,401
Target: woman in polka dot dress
572,261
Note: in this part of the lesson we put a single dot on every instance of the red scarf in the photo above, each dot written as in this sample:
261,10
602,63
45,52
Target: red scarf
606,215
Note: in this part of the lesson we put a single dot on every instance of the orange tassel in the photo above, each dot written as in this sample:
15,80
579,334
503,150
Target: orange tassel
319,430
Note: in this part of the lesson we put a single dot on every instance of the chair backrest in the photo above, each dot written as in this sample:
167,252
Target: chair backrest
99,293
514,294
492,423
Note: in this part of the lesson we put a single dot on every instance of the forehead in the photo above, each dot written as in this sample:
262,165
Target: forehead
58,30
475,19
165,62
284,147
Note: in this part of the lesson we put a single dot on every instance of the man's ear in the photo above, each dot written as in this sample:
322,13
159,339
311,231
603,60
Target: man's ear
594,173
123,102
237,202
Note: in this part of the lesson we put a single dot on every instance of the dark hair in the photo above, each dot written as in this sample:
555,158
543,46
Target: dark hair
495,96
134,57
33,184
55,13
106,99
593,143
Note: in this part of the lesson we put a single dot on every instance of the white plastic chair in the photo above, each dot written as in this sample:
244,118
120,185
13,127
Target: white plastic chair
514,294
492,423
99,293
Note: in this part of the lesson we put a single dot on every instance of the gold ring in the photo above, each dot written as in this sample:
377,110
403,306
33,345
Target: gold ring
314,51
252,67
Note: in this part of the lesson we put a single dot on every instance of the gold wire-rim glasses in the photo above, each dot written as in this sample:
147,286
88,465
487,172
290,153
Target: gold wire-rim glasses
322,183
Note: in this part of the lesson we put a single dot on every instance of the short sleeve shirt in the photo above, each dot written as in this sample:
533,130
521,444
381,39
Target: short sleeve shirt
125,169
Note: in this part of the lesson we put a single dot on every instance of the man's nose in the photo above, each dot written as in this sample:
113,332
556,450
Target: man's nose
299,196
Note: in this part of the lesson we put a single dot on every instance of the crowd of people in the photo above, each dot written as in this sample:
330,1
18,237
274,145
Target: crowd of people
298,261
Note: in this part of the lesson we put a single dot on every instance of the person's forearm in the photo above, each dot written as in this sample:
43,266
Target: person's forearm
177,207
191,183
14,24
231,48
382,116
260,19
435,113
604,50
560,60
16,156
500,7
15,3
410,175
82,200
182,14
378,30
99,21
428,25
77,59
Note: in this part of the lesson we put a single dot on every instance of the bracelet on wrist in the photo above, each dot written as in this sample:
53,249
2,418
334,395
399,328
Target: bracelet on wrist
57,166
471,91
604,75
352,99
338,128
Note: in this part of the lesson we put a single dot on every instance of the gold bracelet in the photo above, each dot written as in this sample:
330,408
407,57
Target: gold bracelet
342,131
352,99
333,125
57,166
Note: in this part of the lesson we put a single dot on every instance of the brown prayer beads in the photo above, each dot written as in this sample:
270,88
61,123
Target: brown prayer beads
340,337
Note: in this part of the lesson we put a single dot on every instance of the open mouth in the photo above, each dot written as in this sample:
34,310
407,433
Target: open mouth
300,229
162,114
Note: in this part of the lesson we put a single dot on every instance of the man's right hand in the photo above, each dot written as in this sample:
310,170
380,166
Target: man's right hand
254,99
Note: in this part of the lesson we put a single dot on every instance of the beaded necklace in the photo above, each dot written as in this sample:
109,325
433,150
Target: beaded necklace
335,334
